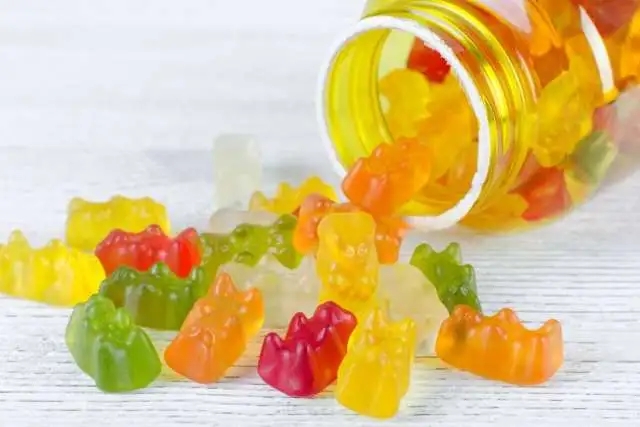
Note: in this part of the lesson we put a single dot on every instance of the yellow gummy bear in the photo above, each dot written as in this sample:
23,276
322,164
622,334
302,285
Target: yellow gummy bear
408,94
346,261
564,118
88,223
449,127
375,373
288,198
54,274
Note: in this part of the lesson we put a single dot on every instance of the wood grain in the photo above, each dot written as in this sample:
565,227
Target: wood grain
126,96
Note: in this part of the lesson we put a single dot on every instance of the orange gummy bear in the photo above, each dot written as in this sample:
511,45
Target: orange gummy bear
389,230
499,347
389,178
215,333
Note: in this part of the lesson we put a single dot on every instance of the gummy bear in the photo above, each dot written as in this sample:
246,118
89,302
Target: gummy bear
54,274
546,193
237,169
149,247
389,178
448,127
563,118
469,341
288,198
410,295
346,261
593,157
286,291
408,94
88,223
248,243
216,331
428,61
306,361
156,298
374,375
455,282
108,346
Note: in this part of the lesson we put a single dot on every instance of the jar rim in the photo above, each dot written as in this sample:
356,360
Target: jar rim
456,213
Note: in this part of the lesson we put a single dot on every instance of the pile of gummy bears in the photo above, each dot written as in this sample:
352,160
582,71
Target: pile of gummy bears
325,270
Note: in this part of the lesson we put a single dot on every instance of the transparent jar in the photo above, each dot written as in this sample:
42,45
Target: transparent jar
528,105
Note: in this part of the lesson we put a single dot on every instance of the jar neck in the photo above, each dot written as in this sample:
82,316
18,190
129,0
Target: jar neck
495,82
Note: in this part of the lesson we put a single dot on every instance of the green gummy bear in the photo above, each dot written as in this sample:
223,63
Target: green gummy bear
593,157
106,345
454,282
156,298
280,241
248,243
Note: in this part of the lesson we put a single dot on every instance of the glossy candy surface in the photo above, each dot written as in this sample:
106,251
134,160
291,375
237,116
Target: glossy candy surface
286,291
306,360
454,281
53,274
156,298
107,345
468,341
248,243
215,333
389,178
237,168
375,374
346,261
149,247
389,231
406,293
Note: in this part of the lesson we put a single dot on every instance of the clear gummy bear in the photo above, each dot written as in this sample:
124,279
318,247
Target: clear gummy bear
237,169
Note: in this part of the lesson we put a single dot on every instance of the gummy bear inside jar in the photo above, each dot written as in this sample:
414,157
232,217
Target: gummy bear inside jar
421,98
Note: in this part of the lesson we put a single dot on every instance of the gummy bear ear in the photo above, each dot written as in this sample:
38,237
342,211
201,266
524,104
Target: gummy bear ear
376,319
223,286
406,327
470,277
76,204
122,319
161,269
421,253
508,316
453,250
154,229
17,238
298,322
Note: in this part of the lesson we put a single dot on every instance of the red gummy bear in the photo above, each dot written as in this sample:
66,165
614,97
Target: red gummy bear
145,249
307,360
427,61
547,194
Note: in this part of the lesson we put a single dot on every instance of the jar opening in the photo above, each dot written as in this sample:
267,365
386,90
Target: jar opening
368,96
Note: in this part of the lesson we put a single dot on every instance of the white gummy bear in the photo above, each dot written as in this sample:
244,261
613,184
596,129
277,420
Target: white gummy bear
285,291
408,293
237,167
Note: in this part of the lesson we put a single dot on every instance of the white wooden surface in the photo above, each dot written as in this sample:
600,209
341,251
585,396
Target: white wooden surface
126,96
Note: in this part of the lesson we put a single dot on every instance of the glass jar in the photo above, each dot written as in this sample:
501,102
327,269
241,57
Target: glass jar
528,105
